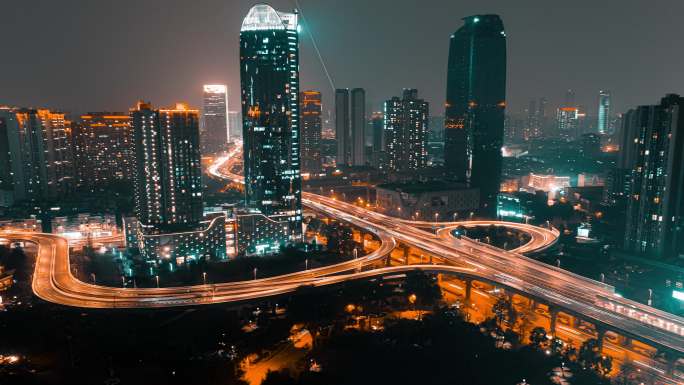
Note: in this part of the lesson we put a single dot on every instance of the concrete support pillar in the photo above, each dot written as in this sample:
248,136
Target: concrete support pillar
554,317
625,342
600,336
670,365
576,322
468,288
406,255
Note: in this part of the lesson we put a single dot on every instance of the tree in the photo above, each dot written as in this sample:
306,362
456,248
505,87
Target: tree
538,337
423,286
503,310
589,355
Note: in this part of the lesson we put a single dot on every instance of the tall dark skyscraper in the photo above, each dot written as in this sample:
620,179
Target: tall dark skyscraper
269,80
214,127
311,130
168,172
652,150
342,127
476,100
406,131
358,127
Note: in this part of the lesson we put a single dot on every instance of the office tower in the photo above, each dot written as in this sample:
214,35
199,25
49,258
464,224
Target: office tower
342,127
653,152
358,127
406,130
35,156
311,131
214,132
168,186
234,125
269,79
476,99
604,118
568,123
103,148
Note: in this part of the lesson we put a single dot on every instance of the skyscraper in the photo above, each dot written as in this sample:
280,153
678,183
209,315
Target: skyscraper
406,131
342,126
168,185
35,157
568,123
311,131
604,117
234,124
269,80
653,150
378,133
476,99
214,128
103,148
358,127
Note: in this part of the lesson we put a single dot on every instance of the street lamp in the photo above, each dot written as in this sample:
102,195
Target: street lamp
204,277
255,271
123,281
157,278
306,264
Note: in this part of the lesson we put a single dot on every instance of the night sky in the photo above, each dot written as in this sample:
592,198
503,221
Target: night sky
92,55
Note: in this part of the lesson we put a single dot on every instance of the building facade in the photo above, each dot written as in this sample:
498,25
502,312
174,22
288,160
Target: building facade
311,131
342,127
269,78
406,127
476,100
214,129
35,156
604,117
358,127
103,148
427,201
653,146
568,123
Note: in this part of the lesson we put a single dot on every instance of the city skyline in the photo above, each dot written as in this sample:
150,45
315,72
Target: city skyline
533,71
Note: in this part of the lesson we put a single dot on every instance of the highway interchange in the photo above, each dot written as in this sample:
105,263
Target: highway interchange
592,300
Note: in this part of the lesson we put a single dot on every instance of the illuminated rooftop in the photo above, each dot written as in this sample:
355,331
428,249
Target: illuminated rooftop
263,17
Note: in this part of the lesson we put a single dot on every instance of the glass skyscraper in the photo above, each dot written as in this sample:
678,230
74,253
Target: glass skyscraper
476,100
269,80
604,113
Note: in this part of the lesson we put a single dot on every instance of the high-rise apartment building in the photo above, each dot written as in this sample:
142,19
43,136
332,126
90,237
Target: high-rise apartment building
168,186
358,127
652,149
568,119
35,155
406,121
604,110
103,148
476,100
311,130
342,127
214,132
269,78
377,129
